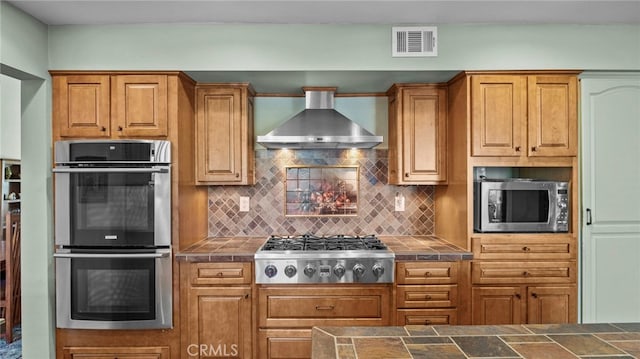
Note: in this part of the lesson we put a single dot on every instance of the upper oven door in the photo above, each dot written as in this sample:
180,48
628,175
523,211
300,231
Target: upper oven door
113,206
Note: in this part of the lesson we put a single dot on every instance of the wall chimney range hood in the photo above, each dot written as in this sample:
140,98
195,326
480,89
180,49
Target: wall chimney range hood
319,126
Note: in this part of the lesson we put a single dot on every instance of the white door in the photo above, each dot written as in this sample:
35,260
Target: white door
610,197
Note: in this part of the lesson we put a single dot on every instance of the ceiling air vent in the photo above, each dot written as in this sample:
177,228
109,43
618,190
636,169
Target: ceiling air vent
414,41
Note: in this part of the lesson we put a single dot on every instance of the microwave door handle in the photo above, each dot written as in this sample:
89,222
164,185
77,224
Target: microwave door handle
111,255
110,170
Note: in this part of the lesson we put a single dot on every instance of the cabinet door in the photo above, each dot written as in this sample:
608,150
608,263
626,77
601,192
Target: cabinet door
81,105
551,305
424,134
497,305
223,148
553,116
140,105
498,115
219,322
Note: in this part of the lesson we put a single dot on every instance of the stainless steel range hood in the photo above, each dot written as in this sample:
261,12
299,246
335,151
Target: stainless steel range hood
319,125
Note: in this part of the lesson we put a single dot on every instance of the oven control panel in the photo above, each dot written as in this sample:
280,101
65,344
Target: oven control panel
324,270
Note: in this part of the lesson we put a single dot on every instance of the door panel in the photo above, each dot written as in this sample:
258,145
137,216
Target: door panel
611,193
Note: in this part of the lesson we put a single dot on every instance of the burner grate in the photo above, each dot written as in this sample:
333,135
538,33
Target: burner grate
310,242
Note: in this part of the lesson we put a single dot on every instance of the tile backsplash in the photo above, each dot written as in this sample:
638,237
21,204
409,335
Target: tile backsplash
376,213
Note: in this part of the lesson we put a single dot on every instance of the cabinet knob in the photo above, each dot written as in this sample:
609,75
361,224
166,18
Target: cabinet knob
535,295
103,129
526,249
237,175
119,128
406,174
517,148
426,274
525,274
246,296
534,148
517,295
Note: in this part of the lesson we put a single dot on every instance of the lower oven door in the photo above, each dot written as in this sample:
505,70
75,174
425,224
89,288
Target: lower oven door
114,291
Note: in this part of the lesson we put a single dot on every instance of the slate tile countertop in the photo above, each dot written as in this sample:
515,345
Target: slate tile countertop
529,341
242,249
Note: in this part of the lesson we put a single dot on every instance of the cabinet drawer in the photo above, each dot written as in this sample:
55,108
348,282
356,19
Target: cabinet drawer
427,272
511,248
313,305
116,352
284,343
220,273
426,296
523,272
426,317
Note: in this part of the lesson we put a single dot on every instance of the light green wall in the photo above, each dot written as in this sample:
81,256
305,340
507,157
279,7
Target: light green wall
23,55
10,115
340,47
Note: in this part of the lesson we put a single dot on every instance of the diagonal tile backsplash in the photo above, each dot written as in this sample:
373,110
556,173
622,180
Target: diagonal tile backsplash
375,202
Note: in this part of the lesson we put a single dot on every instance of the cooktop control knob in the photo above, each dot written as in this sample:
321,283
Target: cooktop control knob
358,270
338,270
270,271
378,270
290,271
309,270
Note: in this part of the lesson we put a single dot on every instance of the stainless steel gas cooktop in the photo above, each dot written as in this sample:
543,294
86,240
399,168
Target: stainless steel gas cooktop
324,259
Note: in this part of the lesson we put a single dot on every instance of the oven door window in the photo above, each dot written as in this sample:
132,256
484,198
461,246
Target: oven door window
519,206
112,209
113,289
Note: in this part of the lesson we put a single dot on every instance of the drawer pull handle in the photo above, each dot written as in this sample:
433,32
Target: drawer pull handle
220,274
427,297
324,307
526,249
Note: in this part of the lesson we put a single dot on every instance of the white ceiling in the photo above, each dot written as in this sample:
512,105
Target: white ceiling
56,12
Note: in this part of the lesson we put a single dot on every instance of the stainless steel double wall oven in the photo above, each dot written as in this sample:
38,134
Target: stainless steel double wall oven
113,234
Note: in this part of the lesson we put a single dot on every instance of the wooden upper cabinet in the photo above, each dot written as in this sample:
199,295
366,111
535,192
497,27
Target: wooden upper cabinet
111,105
81,105
224,135
498,110
417,134
524,115
139,105
553,116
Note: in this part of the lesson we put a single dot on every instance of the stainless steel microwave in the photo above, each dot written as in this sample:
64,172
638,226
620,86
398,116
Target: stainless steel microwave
520,205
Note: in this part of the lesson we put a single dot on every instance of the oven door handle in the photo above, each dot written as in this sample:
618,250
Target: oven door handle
111,255
111,170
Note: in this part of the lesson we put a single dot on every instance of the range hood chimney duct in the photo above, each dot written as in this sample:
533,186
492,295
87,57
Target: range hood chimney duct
319,125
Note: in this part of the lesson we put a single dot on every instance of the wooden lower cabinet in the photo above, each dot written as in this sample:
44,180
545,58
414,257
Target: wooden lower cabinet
116,353
217,319
427,293
286,314
524,304
284,343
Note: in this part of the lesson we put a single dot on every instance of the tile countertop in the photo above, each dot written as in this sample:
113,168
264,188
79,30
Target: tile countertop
529,341
242,249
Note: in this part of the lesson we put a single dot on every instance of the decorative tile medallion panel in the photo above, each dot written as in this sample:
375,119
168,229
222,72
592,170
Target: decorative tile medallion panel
321,191
375,199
